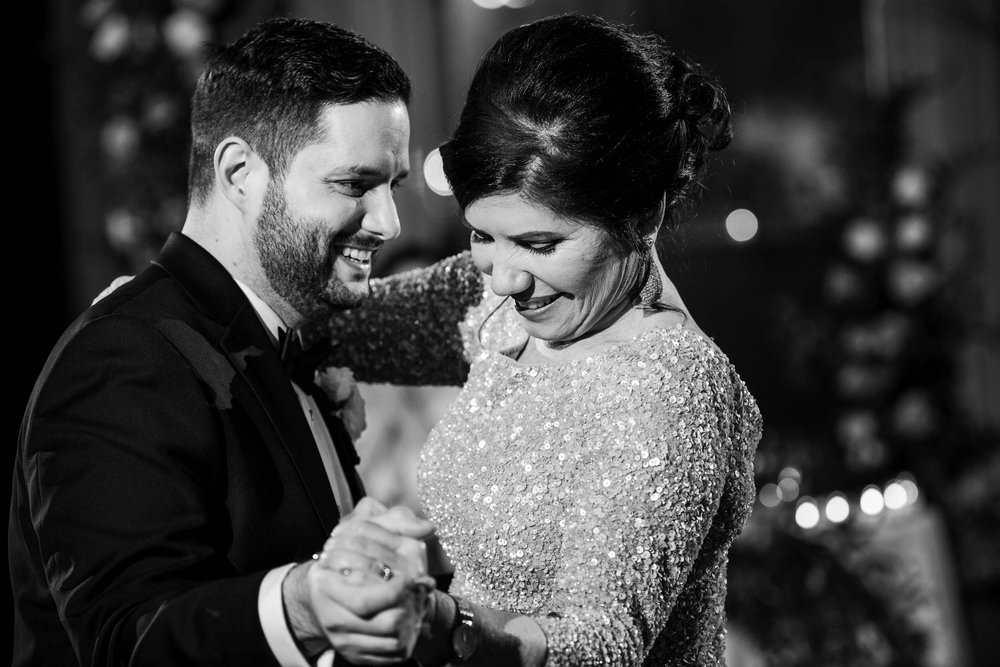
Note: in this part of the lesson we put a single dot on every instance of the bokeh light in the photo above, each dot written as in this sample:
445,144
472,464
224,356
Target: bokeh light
895,495
872,501
788,488
434,174
807,514
769,495
837,508
741,225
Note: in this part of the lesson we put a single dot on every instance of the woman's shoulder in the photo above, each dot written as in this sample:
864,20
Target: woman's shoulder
673,361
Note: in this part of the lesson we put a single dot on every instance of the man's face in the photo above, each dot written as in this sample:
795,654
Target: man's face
319,228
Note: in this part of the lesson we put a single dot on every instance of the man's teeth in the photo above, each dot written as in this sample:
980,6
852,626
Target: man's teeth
356,254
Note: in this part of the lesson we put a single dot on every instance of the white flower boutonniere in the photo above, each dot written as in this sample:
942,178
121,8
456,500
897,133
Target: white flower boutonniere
337,382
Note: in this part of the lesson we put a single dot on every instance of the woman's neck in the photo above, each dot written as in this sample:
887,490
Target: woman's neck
631,324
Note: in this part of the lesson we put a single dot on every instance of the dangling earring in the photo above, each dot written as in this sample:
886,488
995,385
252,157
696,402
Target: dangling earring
652,286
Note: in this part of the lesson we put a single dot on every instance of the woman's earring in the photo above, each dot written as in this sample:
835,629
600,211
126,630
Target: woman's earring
652,286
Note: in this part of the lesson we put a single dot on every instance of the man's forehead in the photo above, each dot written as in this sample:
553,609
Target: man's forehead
365,139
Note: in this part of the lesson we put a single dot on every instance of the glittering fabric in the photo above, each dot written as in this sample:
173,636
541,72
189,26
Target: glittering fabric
411,331
599,496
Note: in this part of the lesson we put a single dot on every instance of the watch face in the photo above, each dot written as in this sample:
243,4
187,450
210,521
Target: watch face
464,641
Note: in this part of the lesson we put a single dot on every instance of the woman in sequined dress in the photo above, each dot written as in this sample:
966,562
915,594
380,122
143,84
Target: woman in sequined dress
591,476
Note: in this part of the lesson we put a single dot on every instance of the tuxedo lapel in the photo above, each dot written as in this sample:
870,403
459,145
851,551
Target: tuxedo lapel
347,454
255,360
266,377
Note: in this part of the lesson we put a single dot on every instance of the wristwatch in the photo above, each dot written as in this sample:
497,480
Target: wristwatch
464,637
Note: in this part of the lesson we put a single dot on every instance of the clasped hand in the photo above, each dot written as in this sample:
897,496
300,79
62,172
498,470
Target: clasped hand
369,587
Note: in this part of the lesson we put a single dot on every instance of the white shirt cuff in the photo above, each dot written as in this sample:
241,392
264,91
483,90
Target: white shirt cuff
271,609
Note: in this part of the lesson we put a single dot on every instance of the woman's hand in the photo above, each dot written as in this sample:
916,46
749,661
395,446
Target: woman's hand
115,284
370,585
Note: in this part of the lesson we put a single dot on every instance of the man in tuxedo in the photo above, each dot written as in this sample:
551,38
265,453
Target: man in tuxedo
174,475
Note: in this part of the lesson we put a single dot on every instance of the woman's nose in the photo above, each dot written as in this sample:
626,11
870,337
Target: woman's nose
508,279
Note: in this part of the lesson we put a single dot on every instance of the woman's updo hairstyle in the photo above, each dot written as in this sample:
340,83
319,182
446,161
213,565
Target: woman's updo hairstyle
589,120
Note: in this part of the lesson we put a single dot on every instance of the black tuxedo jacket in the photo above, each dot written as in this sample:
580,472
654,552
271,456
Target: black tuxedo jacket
163,467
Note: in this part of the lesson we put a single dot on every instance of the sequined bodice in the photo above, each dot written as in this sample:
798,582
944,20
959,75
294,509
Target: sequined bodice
599,496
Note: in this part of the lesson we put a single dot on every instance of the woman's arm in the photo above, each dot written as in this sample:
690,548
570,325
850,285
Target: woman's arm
411,329
467,633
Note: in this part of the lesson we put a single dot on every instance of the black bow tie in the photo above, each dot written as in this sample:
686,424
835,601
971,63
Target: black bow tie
301,363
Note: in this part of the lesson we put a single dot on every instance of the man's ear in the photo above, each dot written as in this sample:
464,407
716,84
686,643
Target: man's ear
238,171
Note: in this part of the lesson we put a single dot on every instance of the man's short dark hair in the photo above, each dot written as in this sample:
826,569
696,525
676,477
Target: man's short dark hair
269,86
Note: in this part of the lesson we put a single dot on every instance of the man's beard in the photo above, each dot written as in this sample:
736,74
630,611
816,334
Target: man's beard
298,260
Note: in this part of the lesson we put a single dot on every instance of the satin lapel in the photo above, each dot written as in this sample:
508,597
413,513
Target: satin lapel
266,377
249,348
346,452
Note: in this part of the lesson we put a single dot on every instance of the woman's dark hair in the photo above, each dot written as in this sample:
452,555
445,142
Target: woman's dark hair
269,86
589,119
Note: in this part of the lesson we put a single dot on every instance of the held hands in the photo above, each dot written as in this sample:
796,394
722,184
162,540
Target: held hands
369,588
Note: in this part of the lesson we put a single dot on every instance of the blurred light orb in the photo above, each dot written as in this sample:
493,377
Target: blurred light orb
434,174
186,31
837,508
122,229
864,240
769,495
872,501
788,488
807,514
911,186
120,138
895,495
741,225
913,232
111,38
842,283
790,472
911,281
911,489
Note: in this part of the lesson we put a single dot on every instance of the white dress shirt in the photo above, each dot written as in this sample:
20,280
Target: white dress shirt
270,605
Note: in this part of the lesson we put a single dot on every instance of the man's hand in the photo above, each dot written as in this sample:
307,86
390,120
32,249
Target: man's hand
368,592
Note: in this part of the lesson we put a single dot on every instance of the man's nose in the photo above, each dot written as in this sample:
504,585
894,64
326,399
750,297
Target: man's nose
381,218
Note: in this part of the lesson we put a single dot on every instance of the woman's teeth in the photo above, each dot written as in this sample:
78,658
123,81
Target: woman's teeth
535,304
356,254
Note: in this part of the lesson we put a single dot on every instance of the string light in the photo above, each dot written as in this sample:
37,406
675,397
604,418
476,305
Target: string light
895,495
807,513
838,506
871,500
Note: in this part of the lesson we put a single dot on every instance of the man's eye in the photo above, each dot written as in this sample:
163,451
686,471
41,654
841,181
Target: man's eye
351,188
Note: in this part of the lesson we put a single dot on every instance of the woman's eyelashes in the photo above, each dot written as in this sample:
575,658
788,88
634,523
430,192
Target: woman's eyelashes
476,236
539,247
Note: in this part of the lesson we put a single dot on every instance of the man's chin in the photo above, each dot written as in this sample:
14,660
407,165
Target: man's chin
348,296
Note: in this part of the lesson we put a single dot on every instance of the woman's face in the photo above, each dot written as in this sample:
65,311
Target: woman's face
564,276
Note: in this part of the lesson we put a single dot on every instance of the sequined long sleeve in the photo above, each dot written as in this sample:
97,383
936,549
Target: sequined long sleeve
409,331
600,497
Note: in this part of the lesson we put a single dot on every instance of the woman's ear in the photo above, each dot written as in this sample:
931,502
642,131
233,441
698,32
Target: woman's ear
652,226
